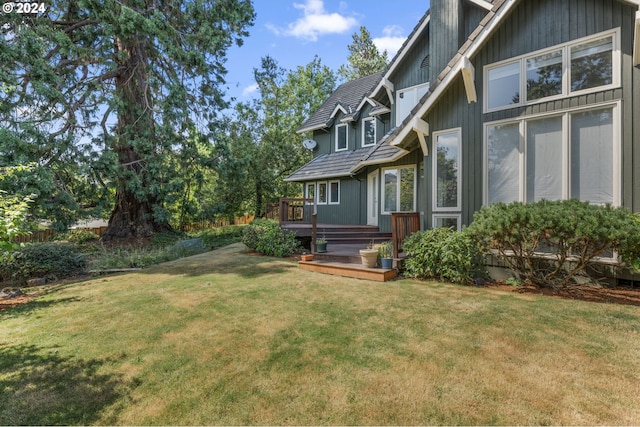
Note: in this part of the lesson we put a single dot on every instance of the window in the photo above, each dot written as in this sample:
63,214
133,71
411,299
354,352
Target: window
398,186
342,133
368,132
334,192
573,154
446,221
589,63
408,98
446,170
311,191
326,193
322,193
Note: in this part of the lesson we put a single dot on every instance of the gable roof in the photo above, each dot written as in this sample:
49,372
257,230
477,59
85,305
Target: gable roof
346,98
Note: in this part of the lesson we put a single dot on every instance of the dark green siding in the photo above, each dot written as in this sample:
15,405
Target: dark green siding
409,73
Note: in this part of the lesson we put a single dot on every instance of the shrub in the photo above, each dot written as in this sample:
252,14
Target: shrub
552,243
221,236
52,260
266,237
442,253
79,236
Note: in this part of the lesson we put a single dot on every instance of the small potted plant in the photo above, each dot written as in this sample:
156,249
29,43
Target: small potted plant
369,256
306,257
386,252
321,244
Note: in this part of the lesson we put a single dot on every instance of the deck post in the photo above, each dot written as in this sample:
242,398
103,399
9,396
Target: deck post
314,226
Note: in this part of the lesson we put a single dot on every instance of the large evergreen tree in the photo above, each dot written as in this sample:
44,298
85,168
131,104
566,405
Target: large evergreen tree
142,71
364,57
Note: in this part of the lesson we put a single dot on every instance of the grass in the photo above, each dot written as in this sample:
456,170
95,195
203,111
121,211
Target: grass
230,338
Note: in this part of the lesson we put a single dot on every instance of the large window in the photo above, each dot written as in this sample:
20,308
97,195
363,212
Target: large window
342,135
446,170
398,187
580,66
368,132
573,154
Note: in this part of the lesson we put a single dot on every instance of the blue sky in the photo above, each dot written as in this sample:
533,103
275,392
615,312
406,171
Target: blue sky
294,31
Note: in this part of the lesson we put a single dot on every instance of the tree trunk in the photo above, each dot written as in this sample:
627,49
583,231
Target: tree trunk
132,215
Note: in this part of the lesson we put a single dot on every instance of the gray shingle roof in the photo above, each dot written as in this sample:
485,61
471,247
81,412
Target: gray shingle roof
347,163
348,95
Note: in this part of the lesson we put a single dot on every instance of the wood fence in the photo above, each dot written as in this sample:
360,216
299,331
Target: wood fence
46,235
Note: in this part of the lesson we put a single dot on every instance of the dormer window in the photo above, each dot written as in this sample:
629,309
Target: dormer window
342,133
368,132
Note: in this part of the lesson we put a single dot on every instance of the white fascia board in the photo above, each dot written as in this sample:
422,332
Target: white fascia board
316,178
636,40
468,76
364,101
483,4
338,108
479,42
398,60
311,129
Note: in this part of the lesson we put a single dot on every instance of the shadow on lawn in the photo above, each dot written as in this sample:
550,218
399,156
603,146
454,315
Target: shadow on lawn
40,387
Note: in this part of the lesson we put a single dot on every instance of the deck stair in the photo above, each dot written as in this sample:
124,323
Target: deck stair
349,270
353,234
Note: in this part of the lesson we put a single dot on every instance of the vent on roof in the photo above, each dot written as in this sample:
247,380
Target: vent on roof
425,62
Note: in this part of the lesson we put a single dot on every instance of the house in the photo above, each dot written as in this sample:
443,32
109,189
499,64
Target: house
487,101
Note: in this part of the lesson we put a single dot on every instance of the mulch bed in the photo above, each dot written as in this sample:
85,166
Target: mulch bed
618,295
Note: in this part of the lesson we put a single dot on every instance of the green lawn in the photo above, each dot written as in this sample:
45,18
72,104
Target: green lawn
231,338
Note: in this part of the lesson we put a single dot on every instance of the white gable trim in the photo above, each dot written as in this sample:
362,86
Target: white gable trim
338,108
398,59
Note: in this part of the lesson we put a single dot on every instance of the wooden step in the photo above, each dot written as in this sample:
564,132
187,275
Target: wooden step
349,270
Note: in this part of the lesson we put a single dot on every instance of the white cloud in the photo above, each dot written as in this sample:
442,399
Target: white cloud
249,90
316,21
391,40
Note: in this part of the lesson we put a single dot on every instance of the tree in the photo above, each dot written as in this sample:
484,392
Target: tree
141,70
364,58
263,134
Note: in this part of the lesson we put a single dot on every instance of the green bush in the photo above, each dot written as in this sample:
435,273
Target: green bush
266,237
442,253
53,260
221,236
552,243
79,236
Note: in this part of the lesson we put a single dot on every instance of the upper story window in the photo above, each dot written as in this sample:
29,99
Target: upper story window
342,134
369,132
581,66
408,98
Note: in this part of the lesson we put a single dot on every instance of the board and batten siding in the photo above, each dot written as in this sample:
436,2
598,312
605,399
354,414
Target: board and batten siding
535,25
538,24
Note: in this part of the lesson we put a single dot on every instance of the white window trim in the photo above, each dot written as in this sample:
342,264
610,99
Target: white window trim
458,218
566,138
346,137
415,188
326,192
566,75
329,192
434,178
375,136
315,191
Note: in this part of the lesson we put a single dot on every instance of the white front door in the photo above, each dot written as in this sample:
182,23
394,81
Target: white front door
372,198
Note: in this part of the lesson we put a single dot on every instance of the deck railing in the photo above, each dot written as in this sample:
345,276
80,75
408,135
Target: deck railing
403,224
295,210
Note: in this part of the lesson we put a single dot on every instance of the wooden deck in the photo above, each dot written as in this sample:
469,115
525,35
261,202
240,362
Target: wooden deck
349,270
